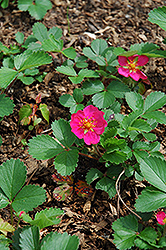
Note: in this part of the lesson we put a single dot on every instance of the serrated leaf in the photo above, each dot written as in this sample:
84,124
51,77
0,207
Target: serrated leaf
3,199
29,238
66,162
116,157
7,76
24,4
118,89
45,218
154,172
44,147
92,175
12,177
5,227
149,136
62,131
67,100
88,73
57,241
28,198
150,200
154,101
6,105
112,144
129,119
40,31
69,53
159,116
76,107
125,230
140,125
56,32
98,46
158,16
76,79
19,37
66,70
27,80
91,87
52,44
78,96
107,185
103,99
89,53
45,111
134,100
36,59
149,235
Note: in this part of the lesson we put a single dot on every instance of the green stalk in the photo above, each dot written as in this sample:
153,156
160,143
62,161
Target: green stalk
11,213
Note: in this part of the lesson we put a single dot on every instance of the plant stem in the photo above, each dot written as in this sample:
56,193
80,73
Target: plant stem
89,156
11,213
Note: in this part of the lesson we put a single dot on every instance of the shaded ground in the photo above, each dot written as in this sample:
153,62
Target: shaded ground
122,23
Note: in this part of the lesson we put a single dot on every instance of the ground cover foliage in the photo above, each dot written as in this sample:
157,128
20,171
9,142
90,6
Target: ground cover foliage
92,169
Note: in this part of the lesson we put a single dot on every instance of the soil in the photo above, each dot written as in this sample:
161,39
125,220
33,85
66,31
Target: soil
121,23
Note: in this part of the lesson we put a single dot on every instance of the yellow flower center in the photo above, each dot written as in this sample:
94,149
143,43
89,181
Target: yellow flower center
164,220
87,124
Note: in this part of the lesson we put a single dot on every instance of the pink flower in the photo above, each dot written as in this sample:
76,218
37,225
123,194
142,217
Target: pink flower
161,218
88,124
131,66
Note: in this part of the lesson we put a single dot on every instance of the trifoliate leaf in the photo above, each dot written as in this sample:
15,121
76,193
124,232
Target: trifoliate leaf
62,132
6,105
12,177
5,227
28,198
7,76
150,200
44,147
66,162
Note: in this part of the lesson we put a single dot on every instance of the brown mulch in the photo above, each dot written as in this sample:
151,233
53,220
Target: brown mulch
121,23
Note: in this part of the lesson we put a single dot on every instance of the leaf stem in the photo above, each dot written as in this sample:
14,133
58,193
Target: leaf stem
11,213
89,156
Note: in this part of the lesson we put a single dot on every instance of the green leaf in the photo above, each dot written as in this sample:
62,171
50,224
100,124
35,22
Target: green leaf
6,105
91,87
92,175
69,53
62,132
5,227
66,162
154,101
78,96
107,185
154,172
118,89
116,157
67,100
149,136
12,177
125,232
112,144
35,59
134,100
44,147
24,4
129,119
140,125
4,242
103,99
57,241
30,238
158,16
76,107
19,37
45,218
4,5
28,198
3,199
52,44
26,79
98,46
66,70
7,76
149,235
45,111
56,32
159,116
40,31
150,200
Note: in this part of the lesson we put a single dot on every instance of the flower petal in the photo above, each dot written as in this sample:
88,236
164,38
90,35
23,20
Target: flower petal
160,217
91,138
122,60
142,60
123,72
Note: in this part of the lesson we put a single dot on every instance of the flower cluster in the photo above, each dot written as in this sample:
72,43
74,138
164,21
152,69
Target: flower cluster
161,218
131,66
88,124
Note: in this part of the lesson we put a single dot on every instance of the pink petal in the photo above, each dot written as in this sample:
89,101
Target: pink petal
123,72
142,60
79,132
132,58
160,217
91,138
137,75
90,110
122,60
